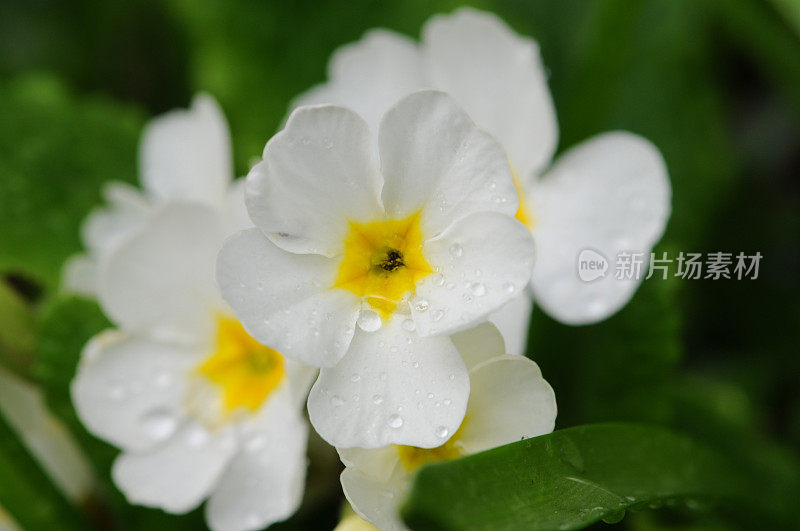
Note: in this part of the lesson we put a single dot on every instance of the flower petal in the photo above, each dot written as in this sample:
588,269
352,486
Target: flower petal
479,344
178,475
510,400
264,482
376,501
284,299
162,277
107,226
235,216
392,387
378,464
186,154
481,263
434,158
79,275
126,384
513,320
498,77
370,75
317,175
610,194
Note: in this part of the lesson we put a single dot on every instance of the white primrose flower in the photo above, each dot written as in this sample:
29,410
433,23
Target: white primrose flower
610,193
199,408
509,401
183,155
364,269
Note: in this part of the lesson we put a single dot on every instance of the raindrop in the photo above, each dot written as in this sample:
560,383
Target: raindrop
395,421
421,305
409,325
159,424
478,289
355,377
447,401
415,365
442,432
456,251
369,320
437,315
336,401
430,395
377,400
509,287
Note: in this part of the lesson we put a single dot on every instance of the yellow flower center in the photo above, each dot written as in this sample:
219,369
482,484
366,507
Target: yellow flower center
413,457
524,214
245,370
382,261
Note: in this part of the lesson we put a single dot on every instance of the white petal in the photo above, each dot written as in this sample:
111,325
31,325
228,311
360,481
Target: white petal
513,320
284,299
186,154
498,77
79,275
386,390
378,464
264,481
318,174
370,75
107,226
435,159
45,437
609,194
375,501
162,277
235,216
178,475
509,400
481,263
128,390
479,344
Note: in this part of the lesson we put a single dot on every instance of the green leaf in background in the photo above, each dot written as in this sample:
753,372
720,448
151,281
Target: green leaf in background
66,325
27,493
53,162
17,334
571,478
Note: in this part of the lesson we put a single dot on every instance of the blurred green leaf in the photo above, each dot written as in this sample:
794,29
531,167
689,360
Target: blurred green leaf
17,334
66,325
571,478
53,162
26,492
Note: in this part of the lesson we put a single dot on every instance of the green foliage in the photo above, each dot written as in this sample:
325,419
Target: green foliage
17,335
53,162
573,477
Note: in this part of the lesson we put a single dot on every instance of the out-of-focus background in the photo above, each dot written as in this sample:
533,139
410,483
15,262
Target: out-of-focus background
715,84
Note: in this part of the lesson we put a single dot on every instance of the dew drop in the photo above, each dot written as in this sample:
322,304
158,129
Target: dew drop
336,401
409,325
508,287
442,432
421,305
456,251
355,377
377,400
369,320
395,421
437,315
430,395
478,289
447,401
159,424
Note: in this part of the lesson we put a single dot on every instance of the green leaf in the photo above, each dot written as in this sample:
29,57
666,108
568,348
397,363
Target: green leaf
26,492
17,334
569,479
53,162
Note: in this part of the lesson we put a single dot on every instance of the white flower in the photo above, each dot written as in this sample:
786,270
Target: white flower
610,193
509,401
363,269
199,408
183,155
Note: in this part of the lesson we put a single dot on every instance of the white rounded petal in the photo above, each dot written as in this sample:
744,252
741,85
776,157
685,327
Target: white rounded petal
609,194
378,463
264,482
79,275
370,75
235,216
482,262
435,159
129,390
478,344
513,320
318,174
179,474
186,154
284,299
498,77
392,387
377,502
162,278
107,226
23,406
509,401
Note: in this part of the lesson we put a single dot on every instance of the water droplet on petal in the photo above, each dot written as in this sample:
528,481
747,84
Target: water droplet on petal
409,325
509,287
159,424
377,400
442,432
369,320
437,315
421,305
456,251
478,289
336,401
355,377
395,421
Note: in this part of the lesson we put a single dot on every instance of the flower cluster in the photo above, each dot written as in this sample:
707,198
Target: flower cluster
406,211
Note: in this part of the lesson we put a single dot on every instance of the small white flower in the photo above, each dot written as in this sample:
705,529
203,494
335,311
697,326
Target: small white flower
184,155
362,269
610,193
199,408
509,401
